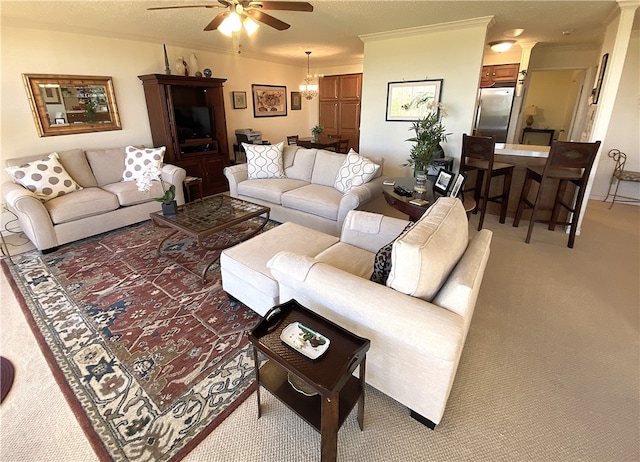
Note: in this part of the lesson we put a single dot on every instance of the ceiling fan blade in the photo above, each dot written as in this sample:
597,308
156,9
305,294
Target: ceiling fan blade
213,25
289,6
182,6
266,19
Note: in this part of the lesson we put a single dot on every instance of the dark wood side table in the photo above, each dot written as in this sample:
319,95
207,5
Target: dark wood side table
322,142
190,181
402,204
330,375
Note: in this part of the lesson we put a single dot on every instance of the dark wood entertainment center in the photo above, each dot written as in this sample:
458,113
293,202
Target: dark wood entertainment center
200,153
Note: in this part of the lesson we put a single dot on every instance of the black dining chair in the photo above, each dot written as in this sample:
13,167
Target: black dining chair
478,154
568,163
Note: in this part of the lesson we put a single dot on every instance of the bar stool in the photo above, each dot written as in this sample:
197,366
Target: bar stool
478,154
190,181
568,162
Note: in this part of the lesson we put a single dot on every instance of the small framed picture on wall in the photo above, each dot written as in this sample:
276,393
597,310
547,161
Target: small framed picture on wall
239,99
296,101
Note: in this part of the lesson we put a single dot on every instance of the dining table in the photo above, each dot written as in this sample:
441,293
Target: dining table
321,142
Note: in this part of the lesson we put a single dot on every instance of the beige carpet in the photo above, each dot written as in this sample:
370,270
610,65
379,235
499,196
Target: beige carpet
550,371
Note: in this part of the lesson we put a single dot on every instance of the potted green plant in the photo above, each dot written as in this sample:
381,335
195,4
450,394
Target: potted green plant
168,199
317,131
429,132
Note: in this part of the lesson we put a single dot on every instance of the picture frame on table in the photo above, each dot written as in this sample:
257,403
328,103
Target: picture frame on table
407,101
458,185
239,99
296,101
269,100
444,182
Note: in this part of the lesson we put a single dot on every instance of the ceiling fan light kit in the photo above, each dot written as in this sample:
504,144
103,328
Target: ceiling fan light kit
232,23
308,89
250,25
501,45
245,13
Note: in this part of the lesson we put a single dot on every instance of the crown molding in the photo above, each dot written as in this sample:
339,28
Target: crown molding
486,21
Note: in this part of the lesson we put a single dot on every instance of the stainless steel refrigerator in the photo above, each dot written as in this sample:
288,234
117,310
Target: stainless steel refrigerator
494,112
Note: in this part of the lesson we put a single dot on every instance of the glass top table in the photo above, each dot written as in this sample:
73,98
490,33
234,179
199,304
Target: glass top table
202,218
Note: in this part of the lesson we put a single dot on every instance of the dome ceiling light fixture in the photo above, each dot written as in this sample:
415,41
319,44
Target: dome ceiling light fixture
501,45
308,89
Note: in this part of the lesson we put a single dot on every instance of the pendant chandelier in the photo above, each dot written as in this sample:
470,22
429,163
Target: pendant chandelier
308,89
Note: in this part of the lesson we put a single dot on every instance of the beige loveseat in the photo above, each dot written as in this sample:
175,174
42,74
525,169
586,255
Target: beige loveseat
417,320
305,194
103,203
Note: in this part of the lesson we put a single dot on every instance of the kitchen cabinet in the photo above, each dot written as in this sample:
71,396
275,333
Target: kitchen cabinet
340,104
186,114
499,73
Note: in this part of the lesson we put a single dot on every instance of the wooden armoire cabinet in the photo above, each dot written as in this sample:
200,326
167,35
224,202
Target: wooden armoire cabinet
186,114
339,100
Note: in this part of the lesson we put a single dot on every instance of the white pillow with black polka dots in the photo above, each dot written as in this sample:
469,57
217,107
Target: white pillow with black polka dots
137,161
46,178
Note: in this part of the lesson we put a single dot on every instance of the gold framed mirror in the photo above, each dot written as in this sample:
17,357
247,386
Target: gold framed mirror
70,104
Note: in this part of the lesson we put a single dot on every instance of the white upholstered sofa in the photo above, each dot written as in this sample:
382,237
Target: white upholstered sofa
417,321
305,194
104,201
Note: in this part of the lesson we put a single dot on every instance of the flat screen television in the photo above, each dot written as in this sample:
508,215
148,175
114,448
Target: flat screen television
193,122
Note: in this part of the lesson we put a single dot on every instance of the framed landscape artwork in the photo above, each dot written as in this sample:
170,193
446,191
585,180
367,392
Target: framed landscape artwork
405,100
269,100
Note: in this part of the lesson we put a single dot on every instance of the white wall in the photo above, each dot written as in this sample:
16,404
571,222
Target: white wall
512,56
47,52
624,128
454,55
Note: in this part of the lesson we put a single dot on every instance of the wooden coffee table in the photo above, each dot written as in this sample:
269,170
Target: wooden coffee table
402,204
212,214
329,376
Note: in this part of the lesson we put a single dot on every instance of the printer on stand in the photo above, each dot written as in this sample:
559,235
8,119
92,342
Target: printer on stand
249,136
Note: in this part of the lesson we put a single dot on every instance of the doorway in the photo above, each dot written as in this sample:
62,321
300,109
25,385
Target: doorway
552,101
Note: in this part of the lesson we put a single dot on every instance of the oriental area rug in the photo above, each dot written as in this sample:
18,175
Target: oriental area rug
150,359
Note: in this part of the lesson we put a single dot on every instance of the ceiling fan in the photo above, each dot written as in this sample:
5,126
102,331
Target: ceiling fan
241,12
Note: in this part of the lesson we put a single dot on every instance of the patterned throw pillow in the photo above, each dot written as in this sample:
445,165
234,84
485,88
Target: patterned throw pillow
47,178
138,159
382,262
264,160
355,171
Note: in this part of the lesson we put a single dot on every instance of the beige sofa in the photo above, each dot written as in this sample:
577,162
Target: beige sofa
417,322
306,195
104,203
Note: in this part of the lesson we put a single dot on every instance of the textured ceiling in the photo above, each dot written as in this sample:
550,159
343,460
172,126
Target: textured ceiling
331,31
